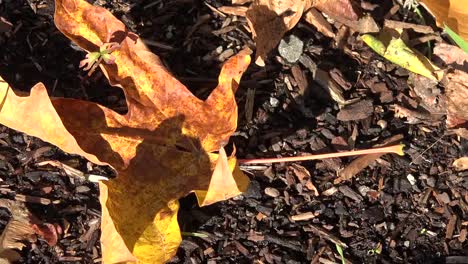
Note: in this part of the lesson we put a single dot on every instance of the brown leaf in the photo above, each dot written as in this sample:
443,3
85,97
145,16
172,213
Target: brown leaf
452,13
168,144
457,98
269,20
21,228
338,8
362,162
461,164
234,10
452,55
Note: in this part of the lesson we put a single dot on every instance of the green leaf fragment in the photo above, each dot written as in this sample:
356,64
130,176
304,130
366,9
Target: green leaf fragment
457,39
340,251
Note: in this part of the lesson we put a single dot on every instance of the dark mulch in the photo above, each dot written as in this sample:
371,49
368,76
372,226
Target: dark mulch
401,204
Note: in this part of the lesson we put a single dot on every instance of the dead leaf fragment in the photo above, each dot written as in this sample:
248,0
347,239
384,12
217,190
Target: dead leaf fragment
269,20
17,231
362,162
23,227
234,10
457,99
168,144
452,13
461,164
451,55
338,8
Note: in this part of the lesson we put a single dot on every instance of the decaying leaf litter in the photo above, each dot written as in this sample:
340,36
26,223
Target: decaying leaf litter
281,124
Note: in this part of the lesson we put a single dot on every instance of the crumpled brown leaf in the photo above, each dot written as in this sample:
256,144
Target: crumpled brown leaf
21,228
269,20
457,99
168,144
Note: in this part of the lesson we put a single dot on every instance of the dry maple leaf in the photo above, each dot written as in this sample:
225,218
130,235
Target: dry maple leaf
452,13
168,144
269,20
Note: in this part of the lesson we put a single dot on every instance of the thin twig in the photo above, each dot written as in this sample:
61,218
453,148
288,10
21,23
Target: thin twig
397,149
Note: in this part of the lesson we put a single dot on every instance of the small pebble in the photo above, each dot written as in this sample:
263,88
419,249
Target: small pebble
363,190
411,179
82,189
431,181
382,124
272,192
290,48
274,102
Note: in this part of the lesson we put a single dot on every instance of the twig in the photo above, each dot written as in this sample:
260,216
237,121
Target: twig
397,149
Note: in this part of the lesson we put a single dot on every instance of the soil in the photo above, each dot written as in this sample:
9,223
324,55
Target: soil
409,209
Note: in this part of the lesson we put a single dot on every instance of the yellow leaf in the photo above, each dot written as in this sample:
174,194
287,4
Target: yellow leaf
397,52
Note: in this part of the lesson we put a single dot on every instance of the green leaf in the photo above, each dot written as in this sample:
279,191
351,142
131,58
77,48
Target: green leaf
340,251
458,40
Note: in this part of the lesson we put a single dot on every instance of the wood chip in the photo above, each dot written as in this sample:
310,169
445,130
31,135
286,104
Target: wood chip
325,235
300,79
451,227
462,236
357,111
404,25
303,217
315,18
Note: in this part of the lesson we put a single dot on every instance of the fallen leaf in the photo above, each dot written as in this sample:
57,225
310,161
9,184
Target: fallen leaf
234,10
269,20
452,56
397,52
452,13
240,2
457,99
17,231
362,162
22,227
457,39
461,164
169,143
337,8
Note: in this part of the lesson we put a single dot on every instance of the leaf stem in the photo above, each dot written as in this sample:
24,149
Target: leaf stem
397,149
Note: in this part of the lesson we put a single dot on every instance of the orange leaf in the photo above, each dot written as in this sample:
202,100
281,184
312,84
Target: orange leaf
168,144
453,13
